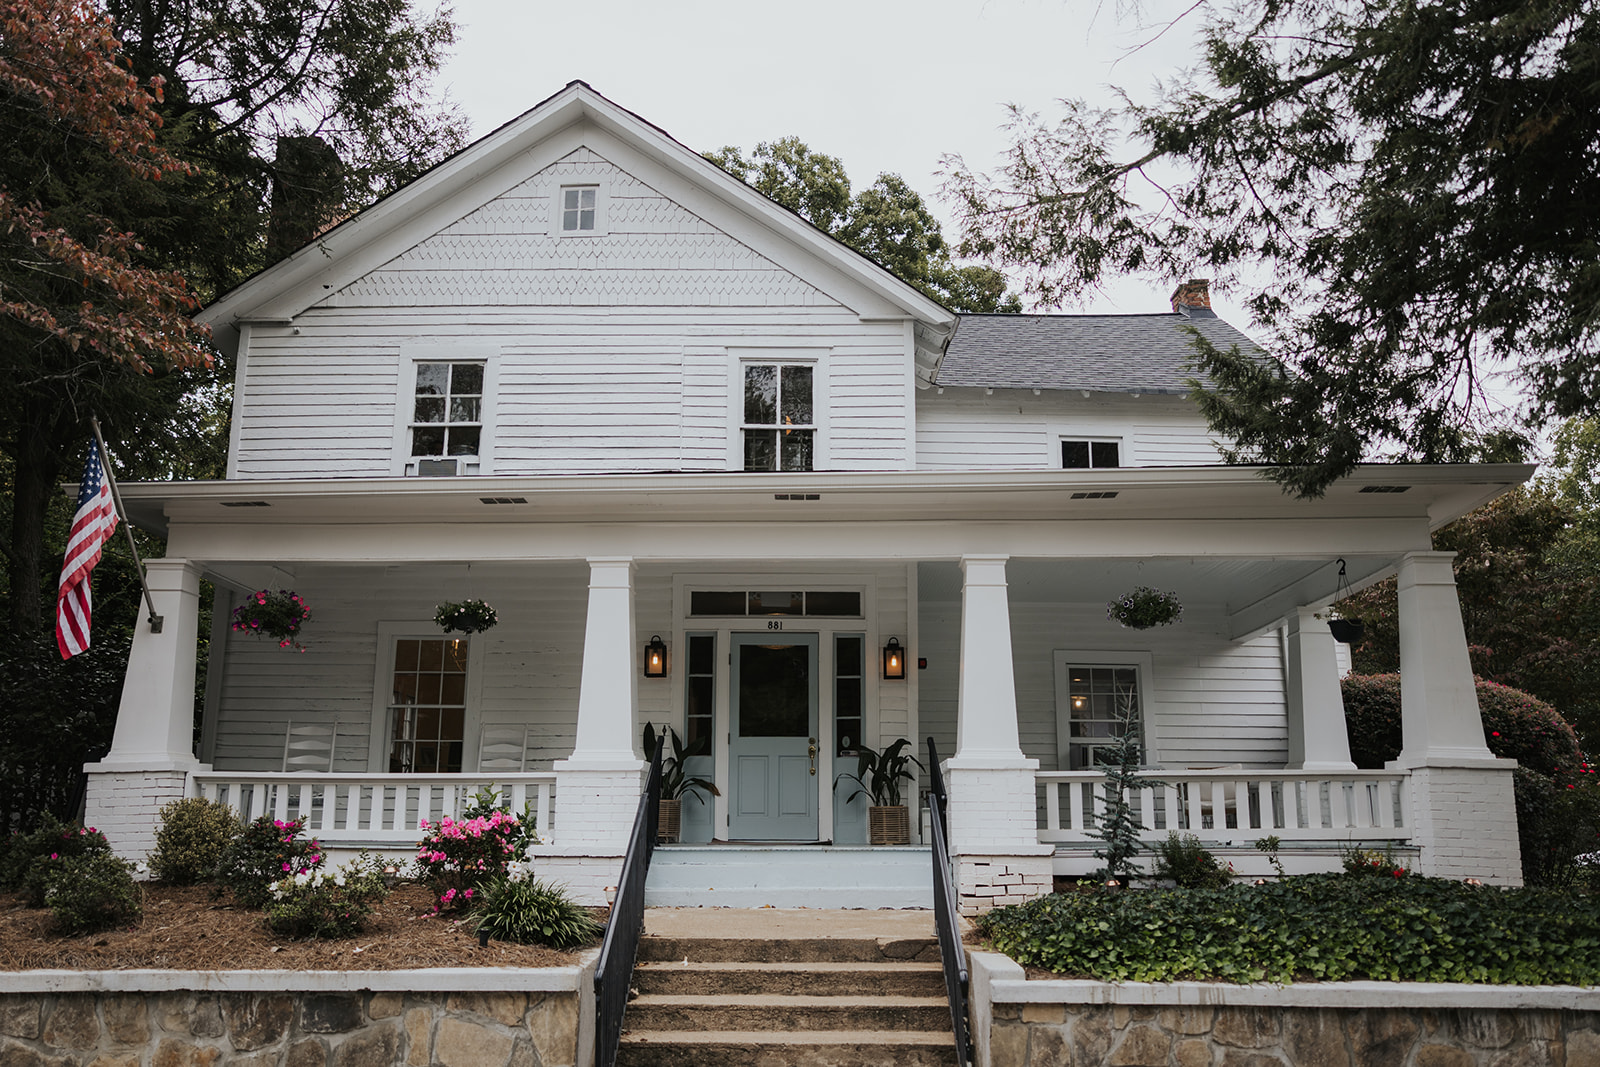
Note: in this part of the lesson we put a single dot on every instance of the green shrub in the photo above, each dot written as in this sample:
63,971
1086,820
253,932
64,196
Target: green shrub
530,912
1371,863
1558,820
194,834
32,856
265,851
321,903
1183,859
1515,725
92,891
1310,927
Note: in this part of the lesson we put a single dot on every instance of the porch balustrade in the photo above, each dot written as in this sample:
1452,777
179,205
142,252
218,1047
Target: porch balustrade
1293,805
372,810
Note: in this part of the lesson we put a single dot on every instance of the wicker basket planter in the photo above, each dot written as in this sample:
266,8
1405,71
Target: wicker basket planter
669,823
889,826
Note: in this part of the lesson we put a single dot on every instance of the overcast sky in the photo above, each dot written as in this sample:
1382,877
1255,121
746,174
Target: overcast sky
885,85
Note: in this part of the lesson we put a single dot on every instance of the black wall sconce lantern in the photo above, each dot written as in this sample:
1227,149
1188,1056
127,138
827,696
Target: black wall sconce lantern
655,658
894,661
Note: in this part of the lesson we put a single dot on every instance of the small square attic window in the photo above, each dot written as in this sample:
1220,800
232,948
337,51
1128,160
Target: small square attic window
1085,455
579,204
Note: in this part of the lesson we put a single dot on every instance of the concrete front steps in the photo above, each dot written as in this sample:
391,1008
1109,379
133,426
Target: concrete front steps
787,988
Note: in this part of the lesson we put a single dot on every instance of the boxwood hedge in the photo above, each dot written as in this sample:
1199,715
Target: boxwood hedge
1311,927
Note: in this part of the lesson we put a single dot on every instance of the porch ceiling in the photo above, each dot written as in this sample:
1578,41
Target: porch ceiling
1434,494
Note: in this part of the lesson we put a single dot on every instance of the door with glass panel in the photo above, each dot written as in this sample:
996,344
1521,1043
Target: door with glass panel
772,743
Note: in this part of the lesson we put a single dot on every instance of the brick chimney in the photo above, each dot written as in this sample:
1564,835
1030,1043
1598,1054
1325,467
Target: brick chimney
1191,296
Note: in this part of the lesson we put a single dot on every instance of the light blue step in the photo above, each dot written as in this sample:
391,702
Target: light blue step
790,876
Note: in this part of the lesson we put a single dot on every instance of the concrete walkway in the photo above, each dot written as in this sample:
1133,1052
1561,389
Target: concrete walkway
786,923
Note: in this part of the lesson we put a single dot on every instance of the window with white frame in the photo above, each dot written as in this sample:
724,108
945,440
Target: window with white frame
1095,695
580,206
779,427
428,706
447,409
1090,453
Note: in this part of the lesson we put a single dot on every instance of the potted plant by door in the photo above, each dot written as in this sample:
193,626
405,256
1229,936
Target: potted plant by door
878,777
675,780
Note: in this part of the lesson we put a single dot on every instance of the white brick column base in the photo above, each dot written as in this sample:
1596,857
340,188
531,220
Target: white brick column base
594,806
586,877
984,882
1464,820
124,802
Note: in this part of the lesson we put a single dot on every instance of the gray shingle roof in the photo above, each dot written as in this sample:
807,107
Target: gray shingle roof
1103,353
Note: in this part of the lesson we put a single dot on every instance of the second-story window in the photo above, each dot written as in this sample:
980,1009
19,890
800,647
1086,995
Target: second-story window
447,419
779,417
1084,455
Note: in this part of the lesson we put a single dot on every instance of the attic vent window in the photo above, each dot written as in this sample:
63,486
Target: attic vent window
1098,495
797,496
578,208
1089,455
245,504
1383,488
491,500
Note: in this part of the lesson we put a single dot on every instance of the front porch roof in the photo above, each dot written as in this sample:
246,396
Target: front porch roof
1436,494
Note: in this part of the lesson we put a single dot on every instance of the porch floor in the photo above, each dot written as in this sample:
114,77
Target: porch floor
806,876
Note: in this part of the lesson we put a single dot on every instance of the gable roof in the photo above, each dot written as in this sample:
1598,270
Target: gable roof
1099,353
494,162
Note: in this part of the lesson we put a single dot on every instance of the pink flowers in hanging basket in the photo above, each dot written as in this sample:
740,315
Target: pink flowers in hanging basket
279,615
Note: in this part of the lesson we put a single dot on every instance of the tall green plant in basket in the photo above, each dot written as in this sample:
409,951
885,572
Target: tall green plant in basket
1119,824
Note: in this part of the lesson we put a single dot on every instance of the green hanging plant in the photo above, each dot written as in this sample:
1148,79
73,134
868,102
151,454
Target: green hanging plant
279,615
1144,608
467,616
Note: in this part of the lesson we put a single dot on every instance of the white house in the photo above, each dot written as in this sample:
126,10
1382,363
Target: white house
580,372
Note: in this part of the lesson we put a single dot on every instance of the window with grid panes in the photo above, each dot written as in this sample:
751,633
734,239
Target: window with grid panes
1096,697
428,710
578,208
1085,455
779,418
848,682
447,419
700,688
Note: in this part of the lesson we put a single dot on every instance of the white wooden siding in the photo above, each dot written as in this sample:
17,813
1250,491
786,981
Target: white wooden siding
596,376
1215,703
964,429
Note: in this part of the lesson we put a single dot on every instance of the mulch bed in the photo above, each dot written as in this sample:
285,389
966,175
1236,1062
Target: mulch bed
189,929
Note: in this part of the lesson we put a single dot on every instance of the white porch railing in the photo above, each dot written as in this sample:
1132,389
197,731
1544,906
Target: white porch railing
1225,803
380,810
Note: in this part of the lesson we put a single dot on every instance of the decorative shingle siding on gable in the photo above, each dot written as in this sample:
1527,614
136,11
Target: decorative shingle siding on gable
654,253
613,350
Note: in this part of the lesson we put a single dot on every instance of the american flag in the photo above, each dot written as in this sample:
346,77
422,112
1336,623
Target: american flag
92,526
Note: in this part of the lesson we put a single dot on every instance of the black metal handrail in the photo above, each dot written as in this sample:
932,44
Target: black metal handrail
614,973
951,953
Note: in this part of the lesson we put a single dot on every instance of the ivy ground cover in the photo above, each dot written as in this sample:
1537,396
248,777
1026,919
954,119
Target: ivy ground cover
1309,928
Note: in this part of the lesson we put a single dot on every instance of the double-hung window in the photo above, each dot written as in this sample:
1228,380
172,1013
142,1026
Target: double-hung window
447,410
428,706
779,426
1097,693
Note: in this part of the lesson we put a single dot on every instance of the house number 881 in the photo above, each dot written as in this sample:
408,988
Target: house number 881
775,624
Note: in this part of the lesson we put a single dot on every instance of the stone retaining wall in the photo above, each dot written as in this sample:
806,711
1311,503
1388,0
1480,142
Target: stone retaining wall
1017,1023
284,1019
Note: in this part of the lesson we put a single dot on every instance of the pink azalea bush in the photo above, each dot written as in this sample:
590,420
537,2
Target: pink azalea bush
460,855
266,851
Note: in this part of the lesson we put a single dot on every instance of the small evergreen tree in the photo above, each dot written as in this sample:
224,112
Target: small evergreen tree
1119,824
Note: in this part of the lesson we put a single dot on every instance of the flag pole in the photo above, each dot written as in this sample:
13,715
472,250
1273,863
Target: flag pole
127,527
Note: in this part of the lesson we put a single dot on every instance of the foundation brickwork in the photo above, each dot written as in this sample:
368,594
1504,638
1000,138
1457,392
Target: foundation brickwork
289,1029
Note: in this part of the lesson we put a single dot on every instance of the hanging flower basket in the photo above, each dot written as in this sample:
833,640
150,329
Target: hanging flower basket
1144,608
279,615
466,616
1346,631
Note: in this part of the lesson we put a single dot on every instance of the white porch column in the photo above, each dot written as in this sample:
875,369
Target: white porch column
1318,740
152,748
597,787
1463,813
993,826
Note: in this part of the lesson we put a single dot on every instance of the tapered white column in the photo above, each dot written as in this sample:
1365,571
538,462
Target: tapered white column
993,827
1318,740
152,747
597,787
1463,812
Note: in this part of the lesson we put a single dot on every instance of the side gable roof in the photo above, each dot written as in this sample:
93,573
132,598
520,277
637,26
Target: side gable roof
1099,353
366,241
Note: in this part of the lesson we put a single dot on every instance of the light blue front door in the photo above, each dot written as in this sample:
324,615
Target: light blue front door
772,746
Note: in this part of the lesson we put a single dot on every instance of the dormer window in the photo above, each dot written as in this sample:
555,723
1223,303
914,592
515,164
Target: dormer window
1090,454
447,416
578,206
779,417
